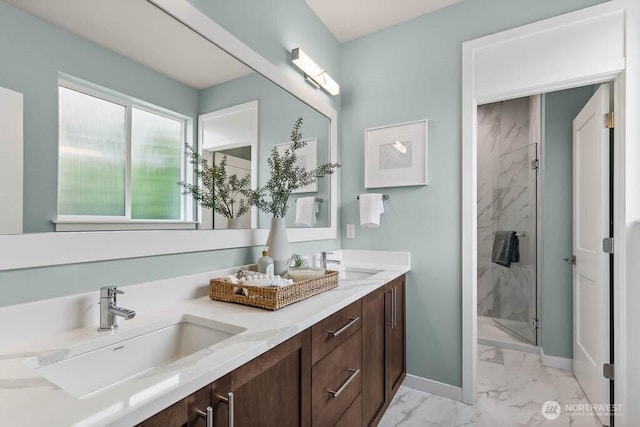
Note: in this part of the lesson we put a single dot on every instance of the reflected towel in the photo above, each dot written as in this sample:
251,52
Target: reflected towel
506,248
306,210
371,207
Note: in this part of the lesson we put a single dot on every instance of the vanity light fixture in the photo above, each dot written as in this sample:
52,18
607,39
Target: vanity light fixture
314,74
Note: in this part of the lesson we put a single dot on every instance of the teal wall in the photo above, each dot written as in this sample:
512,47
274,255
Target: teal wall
32,67
294,24
408,72
277,112
273,28
560,108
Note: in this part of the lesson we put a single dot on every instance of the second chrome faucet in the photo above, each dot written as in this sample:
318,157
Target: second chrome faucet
109,309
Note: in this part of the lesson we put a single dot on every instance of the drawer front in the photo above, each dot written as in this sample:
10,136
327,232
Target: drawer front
334,330
353,416
336,382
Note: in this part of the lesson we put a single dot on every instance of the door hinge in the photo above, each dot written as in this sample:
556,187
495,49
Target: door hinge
608,371
609,120
535,164
535,323
607,245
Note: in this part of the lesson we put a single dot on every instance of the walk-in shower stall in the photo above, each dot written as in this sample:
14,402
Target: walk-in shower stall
508,148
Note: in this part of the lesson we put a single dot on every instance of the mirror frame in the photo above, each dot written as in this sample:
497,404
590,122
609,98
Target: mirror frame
57,248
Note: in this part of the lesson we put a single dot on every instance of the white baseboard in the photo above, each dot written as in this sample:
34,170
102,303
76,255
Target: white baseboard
556,362
433,387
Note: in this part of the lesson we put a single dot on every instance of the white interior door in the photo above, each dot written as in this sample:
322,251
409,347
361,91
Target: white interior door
591,225
11,161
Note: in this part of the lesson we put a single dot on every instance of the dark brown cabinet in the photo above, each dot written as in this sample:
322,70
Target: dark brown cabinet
272,390
183,412
336,380
396,336
343,371
383,348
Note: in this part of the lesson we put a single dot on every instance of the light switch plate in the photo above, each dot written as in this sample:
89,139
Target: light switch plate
351,231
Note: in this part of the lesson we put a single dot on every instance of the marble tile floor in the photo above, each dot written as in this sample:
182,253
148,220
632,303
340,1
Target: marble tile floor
512,387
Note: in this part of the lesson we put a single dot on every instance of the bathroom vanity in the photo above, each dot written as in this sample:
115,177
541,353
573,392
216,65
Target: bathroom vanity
342,371
333,359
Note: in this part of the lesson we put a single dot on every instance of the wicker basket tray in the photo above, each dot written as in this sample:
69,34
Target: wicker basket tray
271,298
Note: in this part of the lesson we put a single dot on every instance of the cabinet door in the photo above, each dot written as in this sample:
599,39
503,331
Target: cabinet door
373,355
183,412
272,390
396,363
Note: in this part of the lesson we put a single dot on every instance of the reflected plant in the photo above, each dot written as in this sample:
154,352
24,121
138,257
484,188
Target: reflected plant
218,191
287,177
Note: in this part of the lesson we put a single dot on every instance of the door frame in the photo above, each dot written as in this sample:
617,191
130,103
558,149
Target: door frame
489,75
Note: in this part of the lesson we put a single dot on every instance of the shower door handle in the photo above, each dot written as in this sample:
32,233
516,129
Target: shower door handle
571,259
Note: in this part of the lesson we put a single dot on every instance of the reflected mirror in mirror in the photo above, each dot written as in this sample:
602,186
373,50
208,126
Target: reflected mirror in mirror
107,114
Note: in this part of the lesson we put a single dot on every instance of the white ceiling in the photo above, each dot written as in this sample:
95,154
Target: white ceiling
140,31
350,19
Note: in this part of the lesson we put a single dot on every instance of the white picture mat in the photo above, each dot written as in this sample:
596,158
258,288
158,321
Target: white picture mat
414,137
307,158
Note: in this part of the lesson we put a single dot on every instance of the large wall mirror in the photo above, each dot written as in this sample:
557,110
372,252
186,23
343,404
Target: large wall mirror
113,91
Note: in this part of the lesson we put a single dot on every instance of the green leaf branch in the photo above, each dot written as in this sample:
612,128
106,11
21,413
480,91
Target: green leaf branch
218,191
287,177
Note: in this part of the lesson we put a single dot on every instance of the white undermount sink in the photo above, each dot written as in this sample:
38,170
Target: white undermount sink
85,372
350,274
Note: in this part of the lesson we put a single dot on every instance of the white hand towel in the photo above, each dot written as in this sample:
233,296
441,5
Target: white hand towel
371,207
306,209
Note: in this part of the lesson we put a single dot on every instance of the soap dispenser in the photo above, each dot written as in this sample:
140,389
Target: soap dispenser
265,263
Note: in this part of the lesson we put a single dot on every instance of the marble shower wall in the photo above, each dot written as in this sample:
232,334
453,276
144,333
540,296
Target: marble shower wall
507,201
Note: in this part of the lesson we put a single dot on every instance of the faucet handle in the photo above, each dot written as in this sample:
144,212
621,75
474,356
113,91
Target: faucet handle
109,291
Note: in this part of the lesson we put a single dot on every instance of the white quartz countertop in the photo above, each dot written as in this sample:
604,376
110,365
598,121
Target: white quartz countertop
28,399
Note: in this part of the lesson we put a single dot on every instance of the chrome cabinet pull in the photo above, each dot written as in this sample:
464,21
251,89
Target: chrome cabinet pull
229,401
390,321
354,374
208,415
352,321
394,307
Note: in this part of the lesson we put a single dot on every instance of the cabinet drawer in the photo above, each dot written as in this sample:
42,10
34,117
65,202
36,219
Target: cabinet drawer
334,330
336,381
353,416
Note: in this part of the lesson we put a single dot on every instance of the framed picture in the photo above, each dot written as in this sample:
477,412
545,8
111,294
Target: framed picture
396,155
307,157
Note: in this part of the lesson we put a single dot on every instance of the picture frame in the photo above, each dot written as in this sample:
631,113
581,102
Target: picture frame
396,155
307,157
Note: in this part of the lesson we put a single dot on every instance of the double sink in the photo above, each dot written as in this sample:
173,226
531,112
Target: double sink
100,364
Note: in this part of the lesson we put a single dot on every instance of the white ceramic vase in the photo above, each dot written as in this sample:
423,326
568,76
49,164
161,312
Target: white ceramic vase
234,223
278,243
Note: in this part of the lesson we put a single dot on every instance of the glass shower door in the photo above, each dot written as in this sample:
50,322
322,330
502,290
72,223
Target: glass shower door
515,188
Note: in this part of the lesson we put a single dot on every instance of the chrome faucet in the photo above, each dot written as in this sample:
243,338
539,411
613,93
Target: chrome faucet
324,260
109,310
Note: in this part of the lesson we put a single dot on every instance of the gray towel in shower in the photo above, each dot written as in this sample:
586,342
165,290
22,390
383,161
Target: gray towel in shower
506,248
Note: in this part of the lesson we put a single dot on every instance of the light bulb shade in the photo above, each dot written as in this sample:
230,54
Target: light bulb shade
305,63
313,72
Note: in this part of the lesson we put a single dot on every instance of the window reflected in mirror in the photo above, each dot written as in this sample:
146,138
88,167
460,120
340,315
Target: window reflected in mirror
107,117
